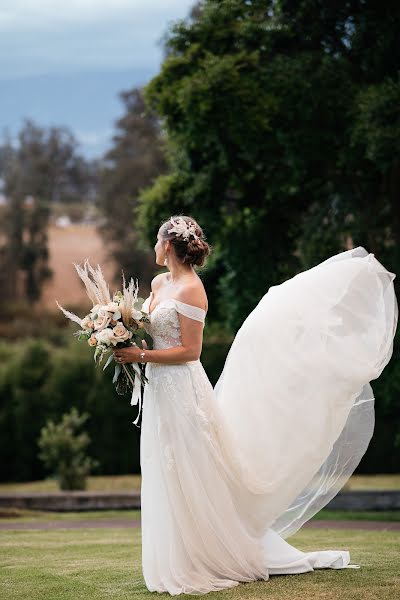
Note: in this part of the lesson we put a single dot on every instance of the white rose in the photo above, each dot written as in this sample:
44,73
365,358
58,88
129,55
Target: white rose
112,307
106,336
137,315
102,321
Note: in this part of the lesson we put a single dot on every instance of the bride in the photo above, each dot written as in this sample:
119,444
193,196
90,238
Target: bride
229,472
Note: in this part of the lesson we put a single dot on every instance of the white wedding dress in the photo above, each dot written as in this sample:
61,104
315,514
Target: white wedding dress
229,472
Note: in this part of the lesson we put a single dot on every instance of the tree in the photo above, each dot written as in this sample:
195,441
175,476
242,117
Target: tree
133,162
44,167
267,110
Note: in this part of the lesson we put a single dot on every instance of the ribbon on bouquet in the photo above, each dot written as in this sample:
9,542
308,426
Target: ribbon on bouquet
137,395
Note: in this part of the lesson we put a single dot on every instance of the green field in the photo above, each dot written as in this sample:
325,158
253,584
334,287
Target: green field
102,564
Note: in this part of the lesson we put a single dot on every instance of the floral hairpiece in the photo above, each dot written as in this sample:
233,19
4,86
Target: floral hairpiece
182,228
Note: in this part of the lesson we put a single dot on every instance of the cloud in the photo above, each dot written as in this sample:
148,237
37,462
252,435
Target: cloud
21,15
46,36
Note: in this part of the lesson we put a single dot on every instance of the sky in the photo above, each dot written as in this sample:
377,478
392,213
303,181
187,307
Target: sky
64,62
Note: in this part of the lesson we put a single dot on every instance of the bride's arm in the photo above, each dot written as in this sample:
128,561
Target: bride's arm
192,340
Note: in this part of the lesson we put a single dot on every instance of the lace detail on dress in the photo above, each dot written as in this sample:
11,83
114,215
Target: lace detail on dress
164,327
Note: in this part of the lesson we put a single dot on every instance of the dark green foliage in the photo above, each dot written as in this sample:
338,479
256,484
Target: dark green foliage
282,123
40,381
27,378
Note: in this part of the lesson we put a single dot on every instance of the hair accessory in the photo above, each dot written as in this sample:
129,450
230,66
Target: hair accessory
182,228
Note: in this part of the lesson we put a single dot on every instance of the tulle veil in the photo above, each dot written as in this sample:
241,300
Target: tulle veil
294,399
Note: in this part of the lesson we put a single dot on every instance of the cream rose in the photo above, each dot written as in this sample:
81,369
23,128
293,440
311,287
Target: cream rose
121,333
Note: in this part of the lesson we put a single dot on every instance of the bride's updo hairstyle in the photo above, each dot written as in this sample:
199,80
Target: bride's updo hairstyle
193,250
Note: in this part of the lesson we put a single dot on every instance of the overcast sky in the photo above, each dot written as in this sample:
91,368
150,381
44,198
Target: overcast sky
59,56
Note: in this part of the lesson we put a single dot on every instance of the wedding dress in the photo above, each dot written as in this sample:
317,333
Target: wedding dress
229,472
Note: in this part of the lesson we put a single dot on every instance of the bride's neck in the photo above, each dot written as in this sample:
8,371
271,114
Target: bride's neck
177,272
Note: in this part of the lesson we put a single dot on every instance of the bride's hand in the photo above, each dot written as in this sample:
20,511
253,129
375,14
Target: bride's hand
127,355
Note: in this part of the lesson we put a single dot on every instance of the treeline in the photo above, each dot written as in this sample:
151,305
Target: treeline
43,167
40,380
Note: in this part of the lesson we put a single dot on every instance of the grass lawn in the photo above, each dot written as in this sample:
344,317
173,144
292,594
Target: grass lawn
362,515
131,483
7,514
102,564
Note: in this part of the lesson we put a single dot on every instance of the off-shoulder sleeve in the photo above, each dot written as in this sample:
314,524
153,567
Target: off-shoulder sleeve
188,310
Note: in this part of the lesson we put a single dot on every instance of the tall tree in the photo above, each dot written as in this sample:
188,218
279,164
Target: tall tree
267,108
134,161
42,168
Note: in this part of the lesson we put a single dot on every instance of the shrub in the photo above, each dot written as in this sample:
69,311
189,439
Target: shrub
63,450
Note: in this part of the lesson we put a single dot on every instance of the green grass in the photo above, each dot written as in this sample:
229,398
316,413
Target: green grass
7,514
105,564
364,515
131,483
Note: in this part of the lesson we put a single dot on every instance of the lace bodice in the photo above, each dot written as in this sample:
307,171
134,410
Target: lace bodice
164,326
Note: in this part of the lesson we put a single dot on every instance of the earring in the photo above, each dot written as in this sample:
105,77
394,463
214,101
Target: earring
165,260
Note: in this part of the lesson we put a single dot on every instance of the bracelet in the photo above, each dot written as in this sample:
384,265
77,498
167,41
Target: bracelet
142,355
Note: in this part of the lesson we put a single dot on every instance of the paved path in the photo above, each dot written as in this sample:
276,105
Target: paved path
70,524
132,523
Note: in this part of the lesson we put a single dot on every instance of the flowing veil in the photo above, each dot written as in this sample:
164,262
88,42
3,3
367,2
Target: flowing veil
295,404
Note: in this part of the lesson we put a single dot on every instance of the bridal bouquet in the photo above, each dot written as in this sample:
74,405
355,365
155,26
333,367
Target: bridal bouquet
113,322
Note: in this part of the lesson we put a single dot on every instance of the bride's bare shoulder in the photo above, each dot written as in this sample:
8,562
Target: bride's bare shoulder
195,294
158,281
